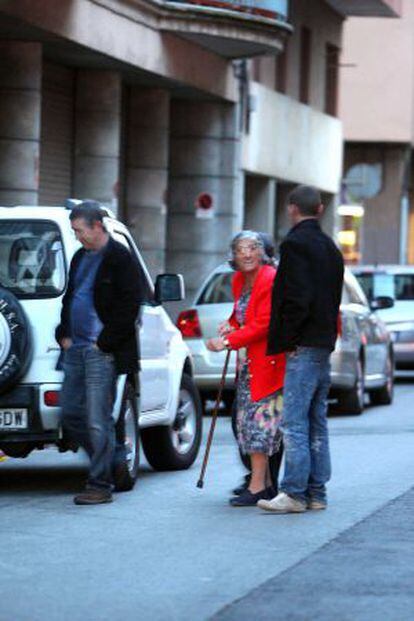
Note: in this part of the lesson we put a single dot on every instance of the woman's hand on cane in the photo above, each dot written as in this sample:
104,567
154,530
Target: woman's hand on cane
216,344
225,328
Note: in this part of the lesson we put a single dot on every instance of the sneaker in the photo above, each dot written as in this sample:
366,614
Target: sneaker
247,499
123,482
282,503
316,505
93,497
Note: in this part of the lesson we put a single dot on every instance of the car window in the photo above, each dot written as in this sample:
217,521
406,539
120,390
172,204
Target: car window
32,261
397,286
376,285
217,290
148,290
354,291
404,286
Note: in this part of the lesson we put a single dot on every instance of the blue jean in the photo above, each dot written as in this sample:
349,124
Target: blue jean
87,399
304,424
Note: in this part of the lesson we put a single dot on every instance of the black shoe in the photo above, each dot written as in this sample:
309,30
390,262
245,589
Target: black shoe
93,497
247,499
241,488
123,482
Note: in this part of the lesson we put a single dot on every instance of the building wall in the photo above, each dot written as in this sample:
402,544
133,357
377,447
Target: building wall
377,78
381,224
292,142
326,27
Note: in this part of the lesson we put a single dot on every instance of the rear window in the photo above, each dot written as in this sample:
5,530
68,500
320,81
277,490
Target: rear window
32,262
217,290
397,286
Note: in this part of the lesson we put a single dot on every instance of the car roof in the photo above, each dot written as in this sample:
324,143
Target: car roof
42,212
382,269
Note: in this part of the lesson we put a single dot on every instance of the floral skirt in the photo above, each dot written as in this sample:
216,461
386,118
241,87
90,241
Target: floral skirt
258,422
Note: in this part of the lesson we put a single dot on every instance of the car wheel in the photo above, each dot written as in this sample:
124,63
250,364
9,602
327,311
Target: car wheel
385,395
16,449
127,433
175,447
352,401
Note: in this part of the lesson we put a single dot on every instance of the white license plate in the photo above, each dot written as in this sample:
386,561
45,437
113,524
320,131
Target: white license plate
13,418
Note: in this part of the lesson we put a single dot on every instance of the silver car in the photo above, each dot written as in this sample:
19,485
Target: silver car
363,360
396,281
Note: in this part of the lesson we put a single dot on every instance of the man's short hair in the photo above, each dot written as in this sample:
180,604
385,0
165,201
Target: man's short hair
306,198
89,210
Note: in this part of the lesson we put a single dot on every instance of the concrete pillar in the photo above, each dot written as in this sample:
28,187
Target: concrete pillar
20,107
204,159
147,137
328,220
260,204
283,224
98,133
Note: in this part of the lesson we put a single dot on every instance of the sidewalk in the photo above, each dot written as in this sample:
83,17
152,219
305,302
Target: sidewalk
365,574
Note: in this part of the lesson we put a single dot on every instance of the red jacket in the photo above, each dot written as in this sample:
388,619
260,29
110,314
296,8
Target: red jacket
266,372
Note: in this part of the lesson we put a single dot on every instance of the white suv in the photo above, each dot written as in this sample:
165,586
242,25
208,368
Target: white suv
161,407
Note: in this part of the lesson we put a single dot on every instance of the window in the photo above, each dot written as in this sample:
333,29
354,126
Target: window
256,69
354,291
305,64
331,79
281,70
397,286
217,290
32,262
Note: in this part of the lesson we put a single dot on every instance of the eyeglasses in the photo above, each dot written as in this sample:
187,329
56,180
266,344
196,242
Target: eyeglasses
247,249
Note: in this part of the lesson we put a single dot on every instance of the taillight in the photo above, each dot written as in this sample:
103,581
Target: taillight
189,324
52,398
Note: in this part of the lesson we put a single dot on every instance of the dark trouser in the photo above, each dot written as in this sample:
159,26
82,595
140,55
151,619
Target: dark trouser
87,400
275,460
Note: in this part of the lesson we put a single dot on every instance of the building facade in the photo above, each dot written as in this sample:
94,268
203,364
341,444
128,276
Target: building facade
189,119
377,110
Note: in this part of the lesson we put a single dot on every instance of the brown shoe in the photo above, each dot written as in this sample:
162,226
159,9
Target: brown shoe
93,497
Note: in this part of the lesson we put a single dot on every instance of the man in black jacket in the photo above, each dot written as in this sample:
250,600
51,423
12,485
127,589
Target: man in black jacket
97,333
304,320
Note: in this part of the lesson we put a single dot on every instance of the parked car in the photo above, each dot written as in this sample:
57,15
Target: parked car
396,281
363,360
36,246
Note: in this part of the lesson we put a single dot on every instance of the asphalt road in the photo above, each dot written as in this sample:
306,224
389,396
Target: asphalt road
168,551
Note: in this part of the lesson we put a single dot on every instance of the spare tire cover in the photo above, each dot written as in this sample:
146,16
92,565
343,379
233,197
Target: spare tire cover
15,340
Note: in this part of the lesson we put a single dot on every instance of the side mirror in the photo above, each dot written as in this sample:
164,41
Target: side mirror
169,288
381,302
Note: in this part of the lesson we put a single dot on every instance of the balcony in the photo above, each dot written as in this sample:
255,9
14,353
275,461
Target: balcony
367,8
230,28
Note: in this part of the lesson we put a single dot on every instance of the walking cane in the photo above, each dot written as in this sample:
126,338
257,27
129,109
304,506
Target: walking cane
200,482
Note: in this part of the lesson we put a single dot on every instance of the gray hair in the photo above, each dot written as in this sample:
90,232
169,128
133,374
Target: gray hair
89,210
252,236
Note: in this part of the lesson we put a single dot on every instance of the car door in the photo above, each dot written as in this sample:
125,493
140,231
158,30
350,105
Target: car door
153,336
372,334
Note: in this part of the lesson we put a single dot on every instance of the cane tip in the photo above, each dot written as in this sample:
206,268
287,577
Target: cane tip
200,483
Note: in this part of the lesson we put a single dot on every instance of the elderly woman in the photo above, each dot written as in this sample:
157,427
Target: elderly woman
259,377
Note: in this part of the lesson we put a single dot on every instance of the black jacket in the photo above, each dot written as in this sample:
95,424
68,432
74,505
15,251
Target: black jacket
117,298
306,291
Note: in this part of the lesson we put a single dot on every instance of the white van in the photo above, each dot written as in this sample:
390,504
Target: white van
160,408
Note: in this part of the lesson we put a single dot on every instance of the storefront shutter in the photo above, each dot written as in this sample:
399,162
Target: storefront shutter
57,134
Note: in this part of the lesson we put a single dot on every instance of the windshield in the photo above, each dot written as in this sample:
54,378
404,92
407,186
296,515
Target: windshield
217,290
397,286
32,263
